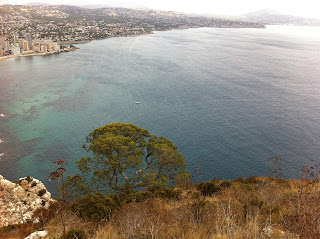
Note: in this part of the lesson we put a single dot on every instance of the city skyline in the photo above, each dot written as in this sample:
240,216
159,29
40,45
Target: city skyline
307,8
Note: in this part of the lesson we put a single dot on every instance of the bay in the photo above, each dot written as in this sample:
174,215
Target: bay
232,97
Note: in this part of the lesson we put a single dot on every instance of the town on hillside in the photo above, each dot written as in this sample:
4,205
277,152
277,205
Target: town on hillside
46,29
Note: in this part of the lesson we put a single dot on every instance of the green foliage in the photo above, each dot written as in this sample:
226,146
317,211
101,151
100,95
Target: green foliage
128,196
195,195
225,184
143,196
76,188
76,234
198,204
246,186
151,192
208,188
215,180
250,180
125,157
198,209
165,192
95,207
239,180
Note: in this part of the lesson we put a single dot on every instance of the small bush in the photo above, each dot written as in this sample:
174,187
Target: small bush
165,192
42,192
76,234
256,203
44,215
128,196
144,196
195,195
239,180
247,187
252,180
151,192
208,188
215,180
9,228
225,184
17,230
198,210
169,193
29,179
95,207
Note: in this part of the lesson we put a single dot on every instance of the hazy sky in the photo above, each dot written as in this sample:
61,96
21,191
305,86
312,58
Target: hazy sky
309,8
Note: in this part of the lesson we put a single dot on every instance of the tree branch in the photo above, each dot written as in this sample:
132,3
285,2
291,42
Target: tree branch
148,164
124,176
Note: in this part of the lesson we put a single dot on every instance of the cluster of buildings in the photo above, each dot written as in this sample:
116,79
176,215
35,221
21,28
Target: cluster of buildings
18,46
4,45
24,26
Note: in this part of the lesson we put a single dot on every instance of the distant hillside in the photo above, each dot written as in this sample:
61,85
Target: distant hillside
273,17
37,4
108,4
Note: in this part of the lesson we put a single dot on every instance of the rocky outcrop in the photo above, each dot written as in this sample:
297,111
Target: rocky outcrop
18,201
37,235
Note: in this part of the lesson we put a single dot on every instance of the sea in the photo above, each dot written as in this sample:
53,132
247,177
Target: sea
230,99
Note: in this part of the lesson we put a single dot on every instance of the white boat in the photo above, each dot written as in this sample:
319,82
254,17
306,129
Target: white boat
2,115
137,102
1,154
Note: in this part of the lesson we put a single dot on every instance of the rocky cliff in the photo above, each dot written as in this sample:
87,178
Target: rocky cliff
19,200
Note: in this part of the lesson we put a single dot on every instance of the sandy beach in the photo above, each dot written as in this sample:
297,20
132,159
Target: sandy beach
36,54
15,56
7,57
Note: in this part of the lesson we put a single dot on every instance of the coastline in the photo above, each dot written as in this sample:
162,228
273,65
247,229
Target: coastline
87,41
73,42
3,58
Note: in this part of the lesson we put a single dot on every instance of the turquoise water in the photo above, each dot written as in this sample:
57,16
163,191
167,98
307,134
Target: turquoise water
234,97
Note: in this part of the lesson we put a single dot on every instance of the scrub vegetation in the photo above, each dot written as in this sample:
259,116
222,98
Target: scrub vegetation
254,207
257,207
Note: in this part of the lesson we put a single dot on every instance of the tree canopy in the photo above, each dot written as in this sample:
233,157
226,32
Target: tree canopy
125,156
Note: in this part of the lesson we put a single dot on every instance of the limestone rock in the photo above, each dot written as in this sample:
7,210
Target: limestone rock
37,235
18,201
273,233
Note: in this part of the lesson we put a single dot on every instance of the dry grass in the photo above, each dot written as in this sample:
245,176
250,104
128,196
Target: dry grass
55,229
262,208
267,209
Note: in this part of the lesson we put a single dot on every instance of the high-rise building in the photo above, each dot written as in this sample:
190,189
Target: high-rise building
29,39
24,45
56,47
15,50
36,46
43,48
4,45
2,40
15,39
